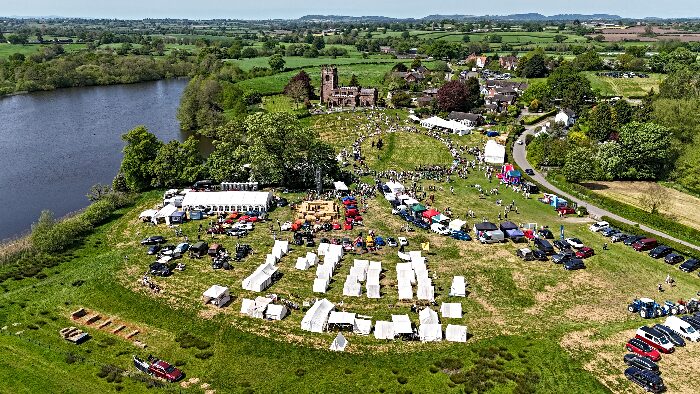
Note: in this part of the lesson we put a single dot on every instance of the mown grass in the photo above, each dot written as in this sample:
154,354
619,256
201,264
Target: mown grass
624,87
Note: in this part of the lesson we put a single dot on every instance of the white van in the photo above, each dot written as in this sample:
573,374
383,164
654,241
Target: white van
490,237
597,226
682,328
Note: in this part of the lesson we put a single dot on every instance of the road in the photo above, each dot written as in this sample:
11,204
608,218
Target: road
519,156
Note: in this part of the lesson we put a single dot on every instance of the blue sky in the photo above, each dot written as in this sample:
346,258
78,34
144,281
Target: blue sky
267,9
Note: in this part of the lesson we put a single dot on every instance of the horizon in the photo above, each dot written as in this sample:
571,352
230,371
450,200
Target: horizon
282,10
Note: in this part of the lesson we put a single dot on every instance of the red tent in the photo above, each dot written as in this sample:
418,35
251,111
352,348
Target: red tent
430,213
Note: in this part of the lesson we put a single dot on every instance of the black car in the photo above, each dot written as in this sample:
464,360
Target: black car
154,249
544,245
159,269
690,265
156,239
619,237
560,258
641,362
539,255
545,233
562,245
573,264
648,380
660,251
693,321
673,258
282,202
529,171
671,335
609,231
632,239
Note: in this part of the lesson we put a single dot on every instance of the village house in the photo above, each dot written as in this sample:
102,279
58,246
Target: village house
565,117
346,96
479,61
509,63
466,118
386,50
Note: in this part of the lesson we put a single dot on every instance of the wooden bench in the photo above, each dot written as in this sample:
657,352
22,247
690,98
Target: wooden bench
116,330
78,314
93,318
105,324
132,334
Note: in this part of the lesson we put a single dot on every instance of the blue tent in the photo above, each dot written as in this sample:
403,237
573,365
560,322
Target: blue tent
492,133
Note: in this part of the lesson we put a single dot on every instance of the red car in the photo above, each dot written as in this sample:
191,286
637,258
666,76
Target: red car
163,370
566,210
637,346
336,226
584,253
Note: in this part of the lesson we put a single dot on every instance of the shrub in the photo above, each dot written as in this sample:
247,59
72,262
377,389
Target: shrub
449,363
348,371
300,372
32,327
180,363
402,379
204,355
71,358
187,340
434,369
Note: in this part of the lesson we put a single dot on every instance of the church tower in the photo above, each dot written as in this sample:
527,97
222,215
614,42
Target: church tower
329,82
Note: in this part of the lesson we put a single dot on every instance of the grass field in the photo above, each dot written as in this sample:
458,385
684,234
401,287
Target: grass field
8,49
293,62
676,204
625,87
535,327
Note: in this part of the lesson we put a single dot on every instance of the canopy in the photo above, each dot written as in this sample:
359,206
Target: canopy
302,263
426,292
317,316
216,291
440,218
456,333
352,288
458,287
430,332
320,285
430,213
452,125
339,343
451,310
341,318
402,324
149,213
515,233
418,208
494,152
276,312
260,279
384,330
373,291
165,213
456,225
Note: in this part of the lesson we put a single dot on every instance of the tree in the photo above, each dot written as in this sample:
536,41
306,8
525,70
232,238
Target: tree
400,99
580,164
569,86
622,112
654,198
98,191
458,96
200,104
610,160
646,150
301,79
249,52
226,162
601,122
559,38
318,43
399,67
353,81
588,61
532,66
416,63
297,92
687,167
177,164
141,149
465,38
276,62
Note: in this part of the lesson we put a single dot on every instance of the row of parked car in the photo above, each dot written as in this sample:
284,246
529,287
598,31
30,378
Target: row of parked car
642,243
569,252
648,344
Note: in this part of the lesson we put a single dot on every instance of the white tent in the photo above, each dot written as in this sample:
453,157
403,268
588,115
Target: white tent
402,324
415,254
335,250
340,186
324,271
311,258
247,306
362,327
456,333
277,253
411,202
148,214
282,245
456,225
451,310
430,332
494,152
165,213
260,279
261,304
405,291
426,292
395,187
323,248
384,330
302,263
276,312
217,295
229,201
359,273
317,316
404,256
458,287
375,266
428,316
342,318
331,260
404,272
373,291
352,288
320,285
339,343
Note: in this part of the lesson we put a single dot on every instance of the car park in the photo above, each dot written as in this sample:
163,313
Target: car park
585,252
544,245
660,251
403,241
682,328
645,244
690,265
648,380
670,334
655,339
575,243
597,226
156,239
629,241
154,249
637,346
673,258
461,235
641,362
573,264
391,241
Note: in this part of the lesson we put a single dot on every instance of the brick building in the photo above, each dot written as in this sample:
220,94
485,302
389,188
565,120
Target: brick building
345,96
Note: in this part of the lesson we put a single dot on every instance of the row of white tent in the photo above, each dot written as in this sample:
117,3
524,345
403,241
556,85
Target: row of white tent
363,271
261,278
324,272
414,272
454,126
263,308
306,262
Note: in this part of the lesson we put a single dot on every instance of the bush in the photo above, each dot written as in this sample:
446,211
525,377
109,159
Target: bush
187,340
434,369
300,372
204,355
348,371
71,358
449,363
402,379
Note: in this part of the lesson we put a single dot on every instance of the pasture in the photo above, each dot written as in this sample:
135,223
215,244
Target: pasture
624,87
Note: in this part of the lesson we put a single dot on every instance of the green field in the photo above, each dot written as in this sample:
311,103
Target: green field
294,62
625,87
8,49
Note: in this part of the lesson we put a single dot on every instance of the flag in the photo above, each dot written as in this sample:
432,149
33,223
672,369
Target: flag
425,246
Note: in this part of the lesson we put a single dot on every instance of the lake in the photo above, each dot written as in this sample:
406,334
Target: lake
55,145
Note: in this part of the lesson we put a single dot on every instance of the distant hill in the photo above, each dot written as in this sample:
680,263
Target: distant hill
513,17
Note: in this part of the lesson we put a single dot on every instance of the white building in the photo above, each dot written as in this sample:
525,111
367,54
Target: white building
228,201
566,117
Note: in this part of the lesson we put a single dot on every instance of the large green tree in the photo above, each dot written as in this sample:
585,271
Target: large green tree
532,66
201,104
570,87
601,122
141,149
580,164
276,62
646,150
177,164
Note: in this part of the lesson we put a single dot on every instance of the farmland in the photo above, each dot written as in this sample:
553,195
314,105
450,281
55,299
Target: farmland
524,316
624,87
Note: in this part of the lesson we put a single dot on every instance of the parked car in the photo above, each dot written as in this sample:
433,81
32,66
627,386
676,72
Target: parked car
670,334
282,202
159,269
619,237
539,255
529,171
236,232
637,346
609,231
573,264
156,239
682,328
566,211
693,321
655,339
645,244
525,254
629,241
544,245
164,370
575,243
585,252
154,249
461,235
648,380
561,245
641,362
660,251
379,241
690,265
597,226
439,229
561,258
545,233
673,258
403,241
391,241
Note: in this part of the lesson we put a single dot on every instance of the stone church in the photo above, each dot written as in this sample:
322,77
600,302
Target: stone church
344,96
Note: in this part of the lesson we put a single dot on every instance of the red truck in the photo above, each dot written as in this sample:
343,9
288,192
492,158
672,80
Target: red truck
158,368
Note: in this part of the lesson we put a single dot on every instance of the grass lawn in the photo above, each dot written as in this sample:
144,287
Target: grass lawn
624,87
278,103
8,49
564,330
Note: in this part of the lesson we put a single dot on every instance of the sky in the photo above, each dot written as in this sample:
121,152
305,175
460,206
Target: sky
291,9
